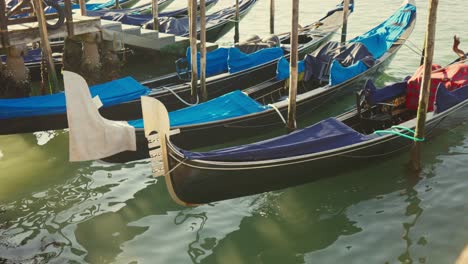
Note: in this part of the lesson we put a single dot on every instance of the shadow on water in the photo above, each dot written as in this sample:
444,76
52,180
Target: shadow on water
106,214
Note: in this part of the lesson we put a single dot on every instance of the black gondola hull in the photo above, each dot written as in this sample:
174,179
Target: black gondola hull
198,182
197,136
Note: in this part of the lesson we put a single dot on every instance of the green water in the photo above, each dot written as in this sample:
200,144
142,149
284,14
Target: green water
59,212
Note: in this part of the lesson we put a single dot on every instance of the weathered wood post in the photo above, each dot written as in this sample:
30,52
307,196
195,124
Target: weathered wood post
293,67
236,30
117,4
193,47
15,63
45,45
155,13
345,21
69,17
426,84
3,24
272,16
84,12
204,93
91,63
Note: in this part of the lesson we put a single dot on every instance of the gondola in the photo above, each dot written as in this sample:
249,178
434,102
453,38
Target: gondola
264,106
169,88
217,23
142,14
381,125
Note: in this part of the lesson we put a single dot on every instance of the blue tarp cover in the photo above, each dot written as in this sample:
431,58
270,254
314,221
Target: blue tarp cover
339,73
282,68
375,95
239,61
34,55
446,99
180,26
325,135
382,37
111,93
227,106
216,61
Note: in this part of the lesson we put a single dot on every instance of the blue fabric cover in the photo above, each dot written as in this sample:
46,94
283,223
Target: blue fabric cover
227,106
446,99
375,95
382,37
282,68
111,93
34,55
216,61
239,61
88,6
128,19
326,135
108,4
339,73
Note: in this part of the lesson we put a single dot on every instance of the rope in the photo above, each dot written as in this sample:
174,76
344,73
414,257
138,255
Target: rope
393,132
279,113
180,98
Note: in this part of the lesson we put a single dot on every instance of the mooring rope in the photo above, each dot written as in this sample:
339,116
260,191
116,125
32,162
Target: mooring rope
180,98
394,132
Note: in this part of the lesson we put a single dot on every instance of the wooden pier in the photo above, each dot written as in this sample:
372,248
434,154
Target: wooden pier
26,33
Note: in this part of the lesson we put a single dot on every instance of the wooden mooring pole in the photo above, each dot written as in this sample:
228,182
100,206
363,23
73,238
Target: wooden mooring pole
117,4
272,16
204,93
3,24
344,30
155,13
293,67
193,47
69,17
45,45
83,7
426,84
236,30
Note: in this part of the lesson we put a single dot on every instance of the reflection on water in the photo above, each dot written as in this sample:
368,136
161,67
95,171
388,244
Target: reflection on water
60,212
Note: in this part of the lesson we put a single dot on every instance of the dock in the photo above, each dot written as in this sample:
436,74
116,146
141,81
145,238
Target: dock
146,38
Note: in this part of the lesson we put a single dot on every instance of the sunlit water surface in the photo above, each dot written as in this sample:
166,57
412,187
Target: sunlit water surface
59,212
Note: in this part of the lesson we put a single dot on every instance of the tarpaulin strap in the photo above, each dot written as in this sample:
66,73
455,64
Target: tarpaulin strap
395,132
278,111
180,98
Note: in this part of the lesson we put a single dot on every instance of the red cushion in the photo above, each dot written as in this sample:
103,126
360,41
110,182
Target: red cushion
453,77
